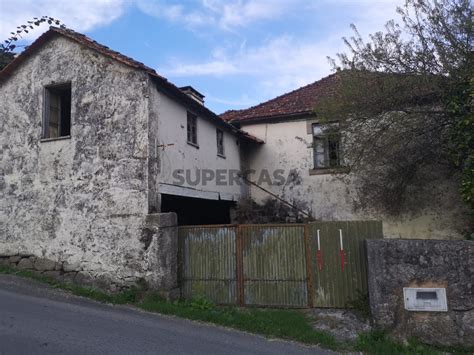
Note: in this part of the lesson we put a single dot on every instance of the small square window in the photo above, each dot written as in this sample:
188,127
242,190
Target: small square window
220,142
326,145
192,128
57,111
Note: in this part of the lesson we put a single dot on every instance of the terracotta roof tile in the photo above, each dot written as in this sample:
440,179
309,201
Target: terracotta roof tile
298,102
77,37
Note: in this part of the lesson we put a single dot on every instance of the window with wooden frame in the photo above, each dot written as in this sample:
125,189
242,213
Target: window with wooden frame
220,142
57,111
192,129
326,145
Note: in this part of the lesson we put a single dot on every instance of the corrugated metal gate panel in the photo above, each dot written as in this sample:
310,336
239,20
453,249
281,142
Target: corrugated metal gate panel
333,285
267,264
208,263
274,267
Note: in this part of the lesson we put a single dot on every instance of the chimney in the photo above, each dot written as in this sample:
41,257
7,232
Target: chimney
193,93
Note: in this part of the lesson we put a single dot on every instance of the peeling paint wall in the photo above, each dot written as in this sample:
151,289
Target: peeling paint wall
81,200
332,196
172,121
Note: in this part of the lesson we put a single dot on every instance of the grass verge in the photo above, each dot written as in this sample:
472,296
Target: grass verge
274,323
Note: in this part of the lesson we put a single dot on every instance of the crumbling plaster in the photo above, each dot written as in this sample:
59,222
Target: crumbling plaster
81,200
333,196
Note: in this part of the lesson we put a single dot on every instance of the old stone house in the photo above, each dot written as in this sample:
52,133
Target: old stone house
95,151
295,141
89,138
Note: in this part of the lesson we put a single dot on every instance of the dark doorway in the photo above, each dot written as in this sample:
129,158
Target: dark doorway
197,211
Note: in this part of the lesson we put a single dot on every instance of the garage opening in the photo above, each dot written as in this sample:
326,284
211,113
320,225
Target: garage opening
197,211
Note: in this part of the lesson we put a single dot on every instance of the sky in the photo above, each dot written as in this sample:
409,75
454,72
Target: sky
238,53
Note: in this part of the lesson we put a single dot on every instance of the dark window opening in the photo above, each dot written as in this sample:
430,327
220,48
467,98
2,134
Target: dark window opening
197,211
326,146
192,128
57,111
426,295
220,142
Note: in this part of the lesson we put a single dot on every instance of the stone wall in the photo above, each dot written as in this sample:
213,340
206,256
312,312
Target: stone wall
394,264
61,272
160,236
80,200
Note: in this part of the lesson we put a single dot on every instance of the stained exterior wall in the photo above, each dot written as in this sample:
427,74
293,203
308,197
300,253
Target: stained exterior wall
333,196
395,264
172,121
81,200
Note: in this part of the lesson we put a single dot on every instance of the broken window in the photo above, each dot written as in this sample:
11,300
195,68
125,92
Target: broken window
192,128
57,111
326,145
220,142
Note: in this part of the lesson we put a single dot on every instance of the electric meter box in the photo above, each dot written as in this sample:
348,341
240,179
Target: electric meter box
425,299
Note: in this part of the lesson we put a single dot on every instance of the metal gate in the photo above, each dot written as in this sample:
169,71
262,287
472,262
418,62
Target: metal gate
273,265
292,265
339,261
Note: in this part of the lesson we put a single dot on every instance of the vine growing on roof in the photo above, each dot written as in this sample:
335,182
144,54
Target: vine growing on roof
9,45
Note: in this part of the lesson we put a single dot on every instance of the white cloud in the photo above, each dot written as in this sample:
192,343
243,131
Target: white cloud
282,63
223,14
279,64
80,15
240,13
174,12
242,101
214,67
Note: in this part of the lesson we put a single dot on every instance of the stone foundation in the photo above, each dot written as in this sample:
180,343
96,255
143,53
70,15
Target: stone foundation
157,262
62,272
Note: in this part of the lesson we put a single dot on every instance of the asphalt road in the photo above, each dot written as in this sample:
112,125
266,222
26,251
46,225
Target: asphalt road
36,319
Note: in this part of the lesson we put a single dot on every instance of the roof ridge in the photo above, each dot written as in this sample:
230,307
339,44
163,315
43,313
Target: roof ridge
82,39
290,92
296,102
117,55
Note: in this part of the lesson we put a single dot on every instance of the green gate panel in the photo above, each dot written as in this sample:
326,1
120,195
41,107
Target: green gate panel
207,266
266,265
333,285
274,266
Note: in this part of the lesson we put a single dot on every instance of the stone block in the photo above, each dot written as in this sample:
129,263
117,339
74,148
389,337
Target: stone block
84,278
68,267
42,264
14,259
25,264
168,219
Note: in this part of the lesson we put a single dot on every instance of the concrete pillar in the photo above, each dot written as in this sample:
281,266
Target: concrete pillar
162,253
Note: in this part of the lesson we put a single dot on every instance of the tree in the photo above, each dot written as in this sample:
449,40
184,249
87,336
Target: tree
406,98
8,46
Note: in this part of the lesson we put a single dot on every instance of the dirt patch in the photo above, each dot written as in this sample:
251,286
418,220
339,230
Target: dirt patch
343,324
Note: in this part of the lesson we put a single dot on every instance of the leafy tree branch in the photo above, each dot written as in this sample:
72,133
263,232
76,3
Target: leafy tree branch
405,100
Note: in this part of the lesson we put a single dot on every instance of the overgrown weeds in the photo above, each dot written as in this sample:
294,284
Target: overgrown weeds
360,305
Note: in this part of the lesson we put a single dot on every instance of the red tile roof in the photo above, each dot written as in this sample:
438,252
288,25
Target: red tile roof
299,102
77,37
166,86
